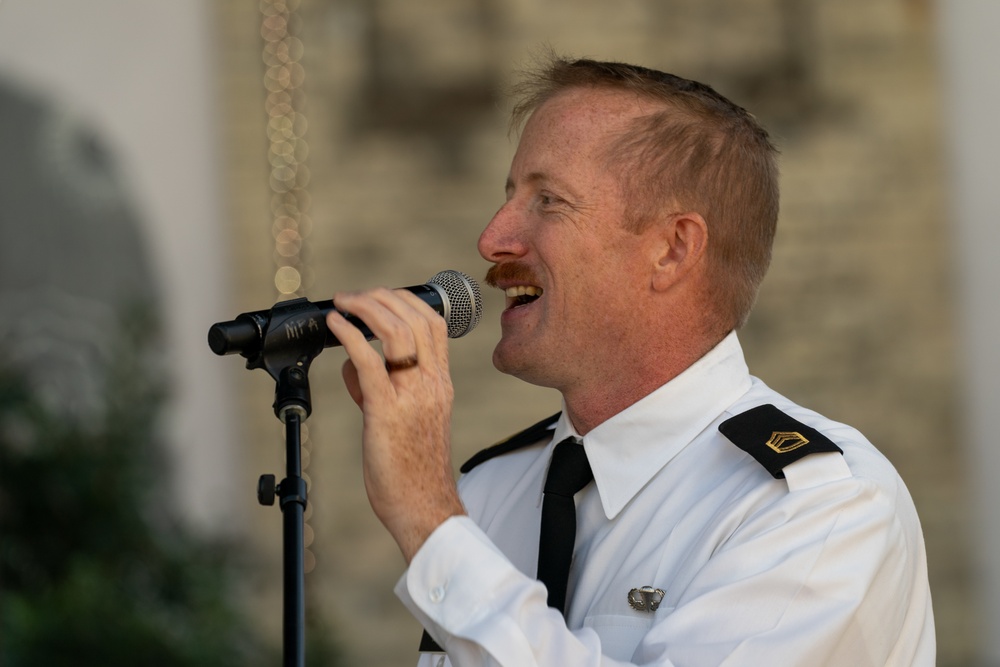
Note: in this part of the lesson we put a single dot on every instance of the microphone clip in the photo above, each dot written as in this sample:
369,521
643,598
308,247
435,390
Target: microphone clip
284,341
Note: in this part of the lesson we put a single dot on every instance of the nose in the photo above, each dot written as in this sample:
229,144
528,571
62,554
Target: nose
503,238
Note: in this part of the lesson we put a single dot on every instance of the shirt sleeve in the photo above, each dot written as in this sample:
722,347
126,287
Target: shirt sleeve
482,610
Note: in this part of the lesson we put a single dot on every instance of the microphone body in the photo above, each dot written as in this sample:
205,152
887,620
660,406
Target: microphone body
452,294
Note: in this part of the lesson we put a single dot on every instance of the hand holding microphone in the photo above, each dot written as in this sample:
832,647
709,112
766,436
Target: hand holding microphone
406,402
285,339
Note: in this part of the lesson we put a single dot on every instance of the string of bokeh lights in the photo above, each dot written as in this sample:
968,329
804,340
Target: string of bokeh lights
287,152
287,149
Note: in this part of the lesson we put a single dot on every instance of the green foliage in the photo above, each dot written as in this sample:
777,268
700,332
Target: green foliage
93,570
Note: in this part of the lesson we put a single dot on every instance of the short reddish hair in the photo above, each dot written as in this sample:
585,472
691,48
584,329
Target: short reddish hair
700,152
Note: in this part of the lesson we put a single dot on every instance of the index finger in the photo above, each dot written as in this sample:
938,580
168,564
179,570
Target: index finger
380,311
430,329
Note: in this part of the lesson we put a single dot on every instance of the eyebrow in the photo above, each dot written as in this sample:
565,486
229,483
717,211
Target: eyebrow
536,177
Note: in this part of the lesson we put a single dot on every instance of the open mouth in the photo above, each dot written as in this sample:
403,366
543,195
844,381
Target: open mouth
521,295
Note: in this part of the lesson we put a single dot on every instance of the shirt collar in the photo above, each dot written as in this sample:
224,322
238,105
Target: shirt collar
628,449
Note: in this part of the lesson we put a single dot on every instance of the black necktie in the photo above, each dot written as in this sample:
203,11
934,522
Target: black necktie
569,471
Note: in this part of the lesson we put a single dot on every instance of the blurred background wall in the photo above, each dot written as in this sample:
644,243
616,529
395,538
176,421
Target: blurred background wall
260,151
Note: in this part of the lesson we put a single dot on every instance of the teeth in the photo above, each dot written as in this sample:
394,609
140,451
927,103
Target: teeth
523,290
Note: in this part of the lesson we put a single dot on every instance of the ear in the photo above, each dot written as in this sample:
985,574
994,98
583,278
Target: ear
681,244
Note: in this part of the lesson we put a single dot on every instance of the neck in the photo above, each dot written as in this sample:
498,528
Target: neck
592,403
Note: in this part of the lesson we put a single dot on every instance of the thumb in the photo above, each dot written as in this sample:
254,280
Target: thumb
350,374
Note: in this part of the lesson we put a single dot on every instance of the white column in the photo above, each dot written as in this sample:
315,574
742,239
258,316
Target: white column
970,48
142,73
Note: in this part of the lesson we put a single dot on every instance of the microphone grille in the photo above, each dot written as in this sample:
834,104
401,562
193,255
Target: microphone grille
465,302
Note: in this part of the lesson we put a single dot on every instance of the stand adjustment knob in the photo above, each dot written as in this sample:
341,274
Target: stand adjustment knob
265,490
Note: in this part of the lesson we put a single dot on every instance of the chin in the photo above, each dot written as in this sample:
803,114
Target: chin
510,360
503,361
523,367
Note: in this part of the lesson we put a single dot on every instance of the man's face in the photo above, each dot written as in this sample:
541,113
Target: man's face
559,243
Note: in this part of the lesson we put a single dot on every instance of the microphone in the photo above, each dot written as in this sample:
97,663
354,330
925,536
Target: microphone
452,294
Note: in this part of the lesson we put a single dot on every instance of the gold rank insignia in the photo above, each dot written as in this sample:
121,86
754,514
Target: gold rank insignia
774,438
786,441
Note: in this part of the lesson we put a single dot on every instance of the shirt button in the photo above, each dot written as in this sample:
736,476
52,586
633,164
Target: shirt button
440,662
437,594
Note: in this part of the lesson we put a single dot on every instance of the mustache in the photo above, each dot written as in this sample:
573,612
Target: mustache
509,272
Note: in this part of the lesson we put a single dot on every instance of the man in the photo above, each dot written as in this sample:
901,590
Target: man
724,524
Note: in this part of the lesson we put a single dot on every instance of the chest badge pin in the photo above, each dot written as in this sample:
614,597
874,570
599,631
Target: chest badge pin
646,598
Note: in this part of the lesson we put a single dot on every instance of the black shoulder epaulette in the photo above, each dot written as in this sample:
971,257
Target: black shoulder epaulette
528,436
774,439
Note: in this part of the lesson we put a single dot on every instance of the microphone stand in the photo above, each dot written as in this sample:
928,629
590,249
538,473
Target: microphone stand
284,341
290,337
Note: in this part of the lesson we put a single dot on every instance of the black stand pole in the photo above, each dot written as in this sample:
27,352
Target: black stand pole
292,492
284,342
291,405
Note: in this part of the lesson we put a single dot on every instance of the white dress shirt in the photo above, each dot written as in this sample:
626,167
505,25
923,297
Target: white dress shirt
824,567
